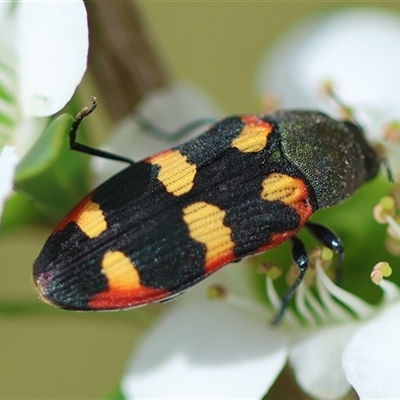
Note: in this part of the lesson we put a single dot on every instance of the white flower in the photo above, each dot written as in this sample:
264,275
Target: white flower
43,52
204,349
370,359
357,50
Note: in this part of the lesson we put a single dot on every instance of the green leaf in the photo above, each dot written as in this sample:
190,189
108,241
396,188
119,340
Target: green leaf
18,212
51,175
46,149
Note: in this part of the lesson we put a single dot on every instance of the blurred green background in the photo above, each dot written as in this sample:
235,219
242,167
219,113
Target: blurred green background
216,45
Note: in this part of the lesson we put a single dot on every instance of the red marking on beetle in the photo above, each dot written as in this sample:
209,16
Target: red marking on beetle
117,299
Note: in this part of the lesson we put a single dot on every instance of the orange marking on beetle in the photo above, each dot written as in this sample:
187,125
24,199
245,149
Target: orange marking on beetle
119,299
219,261
124,287
176,173
88,216
206,225
294,193
254,135
285,188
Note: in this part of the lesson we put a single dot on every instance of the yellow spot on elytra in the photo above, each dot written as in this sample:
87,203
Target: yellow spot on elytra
176,174
206,225
121,273
253,137
91,219
282,187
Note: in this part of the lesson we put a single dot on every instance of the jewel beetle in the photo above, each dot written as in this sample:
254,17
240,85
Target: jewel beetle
164,224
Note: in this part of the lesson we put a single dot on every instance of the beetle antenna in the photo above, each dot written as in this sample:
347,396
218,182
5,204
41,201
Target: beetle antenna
74,145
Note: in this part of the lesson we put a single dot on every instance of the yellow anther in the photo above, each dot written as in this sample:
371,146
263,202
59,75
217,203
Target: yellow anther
273,271
385,207
217,292
387,203
326,254
380,271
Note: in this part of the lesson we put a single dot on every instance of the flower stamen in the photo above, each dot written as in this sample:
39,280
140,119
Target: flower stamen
394,230
390,291
384,209
316,307
300,301
380,271
329,291
275,302
385,213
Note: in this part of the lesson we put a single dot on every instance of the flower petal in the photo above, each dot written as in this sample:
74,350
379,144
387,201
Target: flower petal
317,362
8,108
52,46
6,23
371,358
8,163
350,48
169,109
176,105
206,350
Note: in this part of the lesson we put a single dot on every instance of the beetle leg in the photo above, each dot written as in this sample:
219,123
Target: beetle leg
82,148
167,137
330,240
300,257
